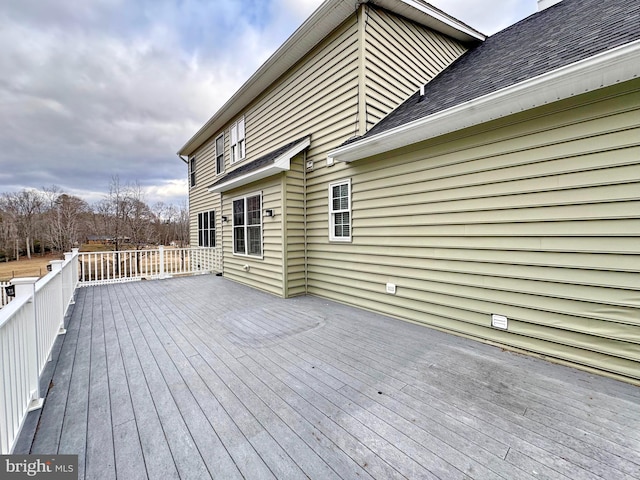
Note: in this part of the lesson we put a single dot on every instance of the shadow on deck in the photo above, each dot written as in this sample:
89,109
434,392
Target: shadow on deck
199,377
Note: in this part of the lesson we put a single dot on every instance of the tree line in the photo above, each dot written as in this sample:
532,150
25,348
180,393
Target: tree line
48,219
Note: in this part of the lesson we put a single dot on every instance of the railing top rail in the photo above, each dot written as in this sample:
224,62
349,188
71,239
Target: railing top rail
155,249
42,282
104,252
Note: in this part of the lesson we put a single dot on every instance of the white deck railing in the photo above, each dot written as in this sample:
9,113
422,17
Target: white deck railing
29,325
99,268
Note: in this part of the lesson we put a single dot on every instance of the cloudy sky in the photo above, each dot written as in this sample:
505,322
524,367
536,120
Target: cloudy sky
95,88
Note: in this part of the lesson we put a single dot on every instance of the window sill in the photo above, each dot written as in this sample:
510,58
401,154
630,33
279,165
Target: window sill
242,255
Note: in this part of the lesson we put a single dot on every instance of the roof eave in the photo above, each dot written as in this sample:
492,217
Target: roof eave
320,24
603,70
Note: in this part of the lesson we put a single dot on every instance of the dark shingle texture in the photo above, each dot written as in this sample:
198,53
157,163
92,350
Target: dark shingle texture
258,163
565,33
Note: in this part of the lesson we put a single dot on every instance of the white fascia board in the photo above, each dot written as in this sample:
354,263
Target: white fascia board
603,70
281,164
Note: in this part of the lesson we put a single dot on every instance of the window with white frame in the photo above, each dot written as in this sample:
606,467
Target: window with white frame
192,172
247,225
220,154
340,211
237,141
207,229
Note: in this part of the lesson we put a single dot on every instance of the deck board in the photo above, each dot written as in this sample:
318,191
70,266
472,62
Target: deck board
200,377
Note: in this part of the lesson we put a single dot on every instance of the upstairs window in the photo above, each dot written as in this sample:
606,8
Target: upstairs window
220,154
237,141
192,172
207,229
247,226
340,211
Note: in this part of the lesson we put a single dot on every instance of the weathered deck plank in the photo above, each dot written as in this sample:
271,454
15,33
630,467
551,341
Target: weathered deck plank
199,377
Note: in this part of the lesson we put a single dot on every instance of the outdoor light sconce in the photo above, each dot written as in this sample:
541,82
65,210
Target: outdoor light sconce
268,212
10,290
224,219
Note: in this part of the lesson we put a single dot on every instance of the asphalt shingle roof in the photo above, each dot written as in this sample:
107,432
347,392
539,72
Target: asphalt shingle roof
565,33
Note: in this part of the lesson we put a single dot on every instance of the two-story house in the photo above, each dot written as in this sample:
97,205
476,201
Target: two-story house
391,157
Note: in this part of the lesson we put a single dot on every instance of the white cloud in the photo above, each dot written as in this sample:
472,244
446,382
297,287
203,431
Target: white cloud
299,9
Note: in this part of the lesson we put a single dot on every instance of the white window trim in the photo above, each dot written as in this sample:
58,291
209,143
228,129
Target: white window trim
332,236
246,237
209,229
216,153
235,140
192,172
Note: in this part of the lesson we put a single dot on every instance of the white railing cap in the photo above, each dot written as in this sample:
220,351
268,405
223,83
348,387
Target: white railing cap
24,280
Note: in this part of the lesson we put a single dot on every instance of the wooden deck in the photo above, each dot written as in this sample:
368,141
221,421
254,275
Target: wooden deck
199,377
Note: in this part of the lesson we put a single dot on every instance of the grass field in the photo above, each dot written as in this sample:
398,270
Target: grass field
36,267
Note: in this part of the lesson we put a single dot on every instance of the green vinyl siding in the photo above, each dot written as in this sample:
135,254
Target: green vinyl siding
324,95
200,199
535,217
400,55
315,97
265,271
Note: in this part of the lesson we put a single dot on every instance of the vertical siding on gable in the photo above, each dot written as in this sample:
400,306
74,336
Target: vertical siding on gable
400,56
264,273
294,231
535,217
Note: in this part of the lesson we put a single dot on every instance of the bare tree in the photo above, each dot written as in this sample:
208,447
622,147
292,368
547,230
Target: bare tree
8,235
24,207
65,219
139,216
182,225
116,207
115,210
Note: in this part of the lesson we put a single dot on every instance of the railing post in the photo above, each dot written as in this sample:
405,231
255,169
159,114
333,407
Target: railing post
161,254
56,266
27,287
75,277
68,257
